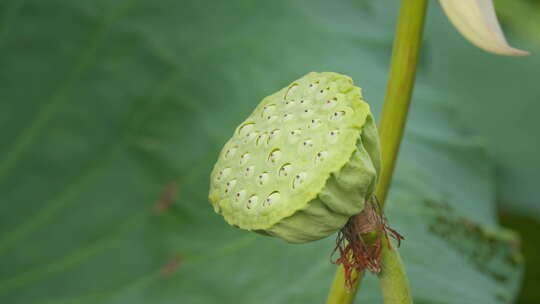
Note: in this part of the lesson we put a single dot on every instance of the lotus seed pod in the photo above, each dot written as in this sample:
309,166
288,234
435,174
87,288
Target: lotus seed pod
302,163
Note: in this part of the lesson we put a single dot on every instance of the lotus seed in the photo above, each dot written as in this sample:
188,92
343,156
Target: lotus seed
245,128
330,103
272,198
230,153
334,136
260,139
250,136
306,145
307,112
268,110
291,90
287,117
244,158
285,170
240,195
249,171
299,179
274,156
273,135
252,200
321,156
263,178
337,115
315,123
223,173
231,184
294,135
289,103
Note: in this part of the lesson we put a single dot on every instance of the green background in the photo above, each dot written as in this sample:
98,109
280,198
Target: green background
112,114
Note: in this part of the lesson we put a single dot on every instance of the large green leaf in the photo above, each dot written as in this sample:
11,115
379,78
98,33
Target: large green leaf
497,98
114,109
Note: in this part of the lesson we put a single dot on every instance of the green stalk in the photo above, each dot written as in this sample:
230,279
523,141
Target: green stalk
407,42
400,86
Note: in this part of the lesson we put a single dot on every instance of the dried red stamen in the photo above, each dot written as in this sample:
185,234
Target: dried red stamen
359,242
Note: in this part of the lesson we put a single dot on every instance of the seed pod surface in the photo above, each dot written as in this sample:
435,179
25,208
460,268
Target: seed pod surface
302,163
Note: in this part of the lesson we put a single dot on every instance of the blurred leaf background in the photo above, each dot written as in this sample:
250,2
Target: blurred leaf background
113,112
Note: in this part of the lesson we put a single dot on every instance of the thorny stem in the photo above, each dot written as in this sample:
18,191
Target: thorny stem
407,42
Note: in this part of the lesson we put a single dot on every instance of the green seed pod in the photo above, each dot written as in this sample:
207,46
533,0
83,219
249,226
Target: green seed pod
302,163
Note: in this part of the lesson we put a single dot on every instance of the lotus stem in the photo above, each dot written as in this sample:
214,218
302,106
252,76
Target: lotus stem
394,282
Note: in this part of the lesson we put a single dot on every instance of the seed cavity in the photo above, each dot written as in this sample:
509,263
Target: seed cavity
249,171
263,178
273,135
305,102
333,135
294,135
299,179
287,116
230,152
289,103
222,174
244,158
268,109
261,139
338,115
240,195
245,128
285,170
272,199
292,89
250,136
271,117
274,156
252,200
230,184
320,157
323,92
307,112
306,144
330,103
314,123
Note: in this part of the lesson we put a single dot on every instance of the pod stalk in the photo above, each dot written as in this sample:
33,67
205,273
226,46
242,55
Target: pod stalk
394,282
